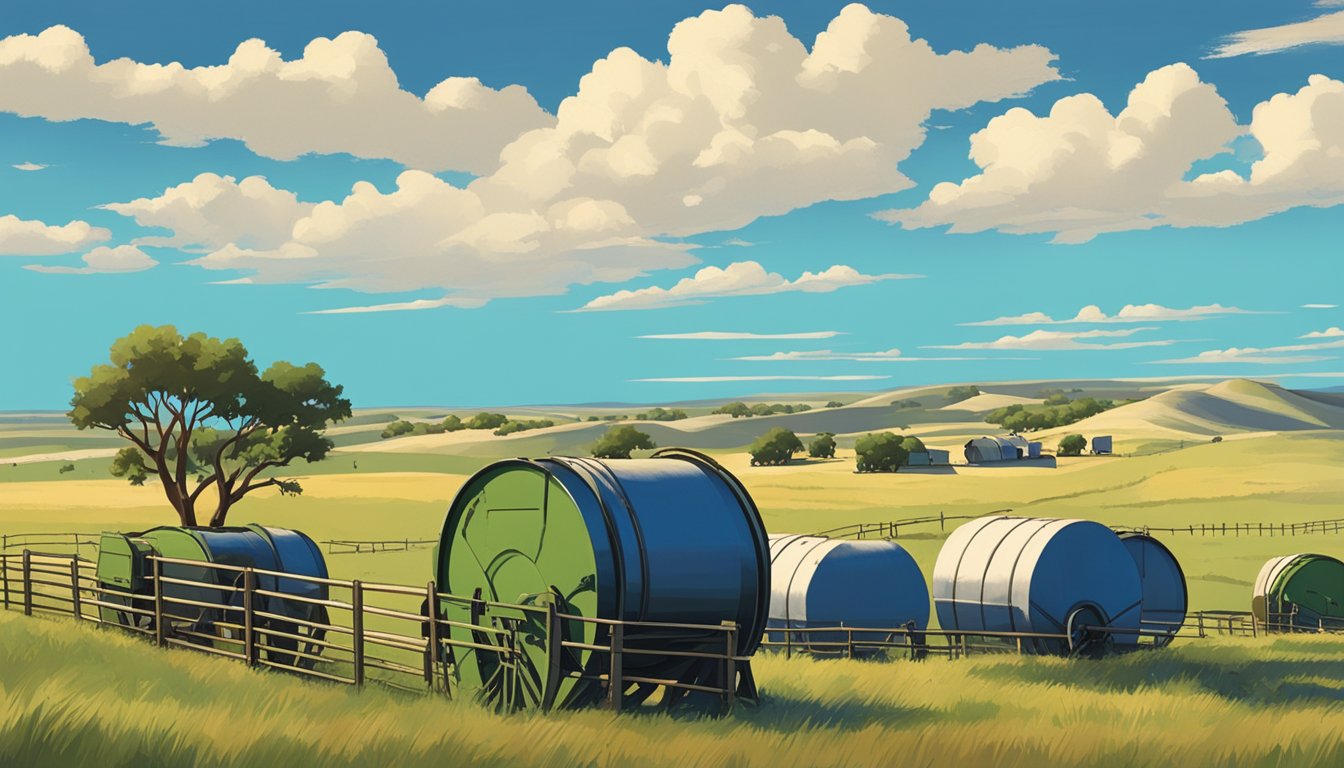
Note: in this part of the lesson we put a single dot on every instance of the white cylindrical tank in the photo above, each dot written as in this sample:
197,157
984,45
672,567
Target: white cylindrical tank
1165,599
821,582
1016,574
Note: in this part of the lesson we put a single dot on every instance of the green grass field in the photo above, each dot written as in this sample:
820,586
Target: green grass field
78,695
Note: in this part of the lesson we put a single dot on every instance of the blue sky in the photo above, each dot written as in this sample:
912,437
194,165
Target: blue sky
1150,224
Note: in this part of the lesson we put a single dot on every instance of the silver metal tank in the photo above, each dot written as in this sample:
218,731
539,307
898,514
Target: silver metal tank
1165,598
821,582
1016,574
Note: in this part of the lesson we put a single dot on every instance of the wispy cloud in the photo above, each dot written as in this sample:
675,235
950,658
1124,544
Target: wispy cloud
1061,340
1320,306
718,379
1326,29
401,306
743,336
27,166
887,356
103,260
1332,332
742,278
1130,313
1287,354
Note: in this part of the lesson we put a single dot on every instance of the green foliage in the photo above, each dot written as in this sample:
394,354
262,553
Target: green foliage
822,446
1019,418
451,423
774,447
197,408
740,409
1072,445
1217,439
736,409
509,427
906,403
1057,399
957,394
912,444
662,414
834,404
618,442
881,452
397,429
485,420
65,468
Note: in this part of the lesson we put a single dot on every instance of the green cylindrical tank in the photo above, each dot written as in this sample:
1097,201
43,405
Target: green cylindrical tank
124,569
1300,592
673,538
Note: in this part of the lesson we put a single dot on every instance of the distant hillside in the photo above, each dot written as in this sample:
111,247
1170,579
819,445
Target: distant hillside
1228,407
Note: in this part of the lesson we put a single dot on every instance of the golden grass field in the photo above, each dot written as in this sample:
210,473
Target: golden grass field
73,695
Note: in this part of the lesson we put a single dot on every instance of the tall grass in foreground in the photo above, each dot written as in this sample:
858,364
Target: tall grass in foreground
75,695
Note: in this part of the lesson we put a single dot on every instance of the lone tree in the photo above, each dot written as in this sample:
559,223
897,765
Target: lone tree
882,452
196,411
774,447
822,446
1072,445
618,442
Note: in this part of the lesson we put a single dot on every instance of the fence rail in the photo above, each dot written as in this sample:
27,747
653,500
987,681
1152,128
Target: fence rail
355,547
351,632
63,539
892,529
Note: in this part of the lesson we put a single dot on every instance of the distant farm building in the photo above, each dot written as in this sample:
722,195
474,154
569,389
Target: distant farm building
929,458
985,450
1101,444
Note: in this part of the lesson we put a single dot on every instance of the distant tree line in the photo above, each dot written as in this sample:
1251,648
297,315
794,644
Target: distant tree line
1056,411
906,403
661,414
738,409
497,422
957,394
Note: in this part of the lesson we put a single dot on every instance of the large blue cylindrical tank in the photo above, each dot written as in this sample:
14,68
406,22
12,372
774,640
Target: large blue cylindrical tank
821,582
1165,599
1015,574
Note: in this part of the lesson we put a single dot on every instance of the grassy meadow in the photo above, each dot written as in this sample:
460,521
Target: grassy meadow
70,694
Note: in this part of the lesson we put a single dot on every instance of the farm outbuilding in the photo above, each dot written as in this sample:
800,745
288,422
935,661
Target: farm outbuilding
1033,450
672,538
983,450
931,457
1300,592
1101,444
821,582
1016,574
1165,597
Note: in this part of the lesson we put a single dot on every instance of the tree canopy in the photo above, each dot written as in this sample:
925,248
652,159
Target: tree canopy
1052,413
618,442
199,415
881,452
775,447
1072,445
822,446
485,420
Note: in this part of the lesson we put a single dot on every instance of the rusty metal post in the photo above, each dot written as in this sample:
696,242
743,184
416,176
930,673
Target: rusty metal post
357,629
730,666
27,583
249,612
158,603
616,675
432,635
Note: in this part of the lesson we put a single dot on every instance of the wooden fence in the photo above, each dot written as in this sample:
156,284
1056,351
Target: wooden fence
891,529
355,547
388,634
74,542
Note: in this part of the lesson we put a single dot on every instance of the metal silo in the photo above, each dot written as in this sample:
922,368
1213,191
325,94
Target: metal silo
820,582
1303,592
1165,599
672,538
1014,574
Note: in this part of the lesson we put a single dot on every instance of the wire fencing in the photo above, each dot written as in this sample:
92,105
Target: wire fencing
891,529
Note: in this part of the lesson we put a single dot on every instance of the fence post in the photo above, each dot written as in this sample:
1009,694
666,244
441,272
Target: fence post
27,583
432,617
249,623
4,576
849,642
158,602
730,666
616,675
1201,623
74,586
942,521
357,629
788,642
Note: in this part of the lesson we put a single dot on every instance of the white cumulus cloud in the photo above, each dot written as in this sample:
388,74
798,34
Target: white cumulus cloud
888,356
1328,28
1079,171
742,121
339,96
213,211
1130,313
103,260
1332,332
28,166
742,336
742,278
1286,354
29,237
1062,340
